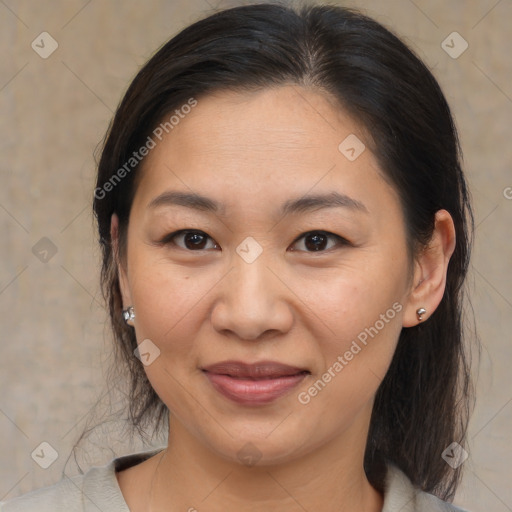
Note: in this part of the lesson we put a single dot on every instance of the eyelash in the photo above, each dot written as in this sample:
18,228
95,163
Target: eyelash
169,239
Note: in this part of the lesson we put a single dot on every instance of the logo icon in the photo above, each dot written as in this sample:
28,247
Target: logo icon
44,45
147,352
44,250
455,455
454,45
351,147
249,454
249,250
45,455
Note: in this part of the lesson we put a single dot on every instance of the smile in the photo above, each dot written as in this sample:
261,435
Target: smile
253,384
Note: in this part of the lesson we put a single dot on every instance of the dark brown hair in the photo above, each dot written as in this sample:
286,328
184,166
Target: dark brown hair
422,404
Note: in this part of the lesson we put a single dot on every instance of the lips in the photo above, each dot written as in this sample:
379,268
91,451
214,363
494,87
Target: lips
261,370
253,384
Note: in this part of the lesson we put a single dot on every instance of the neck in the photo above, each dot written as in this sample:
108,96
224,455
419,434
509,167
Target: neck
189,476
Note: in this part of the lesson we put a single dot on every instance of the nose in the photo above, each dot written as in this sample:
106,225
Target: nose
252,302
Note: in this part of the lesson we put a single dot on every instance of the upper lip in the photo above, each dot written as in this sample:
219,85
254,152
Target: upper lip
258,370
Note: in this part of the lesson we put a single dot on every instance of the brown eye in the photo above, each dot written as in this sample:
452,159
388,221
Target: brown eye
318,241
190,240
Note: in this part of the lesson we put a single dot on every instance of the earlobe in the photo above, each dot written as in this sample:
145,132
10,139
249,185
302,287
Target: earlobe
430,271
121,271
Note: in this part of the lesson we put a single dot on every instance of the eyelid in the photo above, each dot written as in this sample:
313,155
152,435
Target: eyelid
168,239
341,240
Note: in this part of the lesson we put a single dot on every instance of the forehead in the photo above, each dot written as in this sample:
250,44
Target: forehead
285,119
263,143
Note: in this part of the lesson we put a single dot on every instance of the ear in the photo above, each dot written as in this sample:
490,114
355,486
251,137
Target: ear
121,271
430,270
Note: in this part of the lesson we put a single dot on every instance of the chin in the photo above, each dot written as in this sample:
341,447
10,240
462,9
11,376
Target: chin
253,447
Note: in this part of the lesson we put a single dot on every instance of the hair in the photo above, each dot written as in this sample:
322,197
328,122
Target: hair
423,403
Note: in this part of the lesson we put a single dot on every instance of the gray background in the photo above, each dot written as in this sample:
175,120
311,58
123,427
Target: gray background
55,111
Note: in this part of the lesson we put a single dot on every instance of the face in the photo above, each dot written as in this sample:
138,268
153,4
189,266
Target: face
296,263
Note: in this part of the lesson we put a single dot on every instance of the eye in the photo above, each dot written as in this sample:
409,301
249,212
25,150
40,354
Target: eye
195,240
191,240
318,241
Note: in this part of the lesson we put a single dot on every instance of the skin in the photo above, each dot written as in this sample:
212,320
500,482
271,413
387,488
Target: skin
252,152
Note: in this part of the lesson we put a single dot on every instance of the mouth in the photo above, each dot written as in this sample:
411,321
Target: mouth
254,384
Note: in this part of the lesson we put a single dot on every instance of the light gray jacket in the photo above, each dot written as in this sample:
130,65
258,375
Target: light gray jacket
98,490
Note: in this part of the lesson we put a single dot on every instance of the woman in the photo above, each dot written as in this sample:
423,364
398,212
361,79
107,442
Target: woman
285,230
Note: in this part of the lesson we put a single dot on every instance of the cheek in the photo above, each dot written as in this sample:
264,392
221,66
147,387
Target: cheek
354,364
359,314
361,344
350,299
164,293
171,306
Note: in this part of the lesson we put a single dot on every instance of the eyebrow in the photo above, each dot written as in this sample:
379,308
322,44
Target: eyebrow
302,204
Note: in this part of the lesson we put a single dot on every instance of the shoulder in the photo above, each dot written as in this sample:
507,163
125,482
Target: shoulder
401,495
64,495
97,489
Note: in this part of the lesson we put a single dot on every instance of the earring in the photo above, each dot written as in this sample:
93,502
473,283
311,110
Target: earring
420,312
129,315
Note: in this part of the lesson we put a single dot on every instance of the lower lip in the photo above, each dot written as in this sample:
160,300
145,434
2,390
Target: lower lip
253,392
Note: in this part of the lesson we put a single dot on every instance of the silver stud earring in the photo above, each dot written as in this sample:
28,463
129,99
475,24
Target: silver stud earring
129,315
420,312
